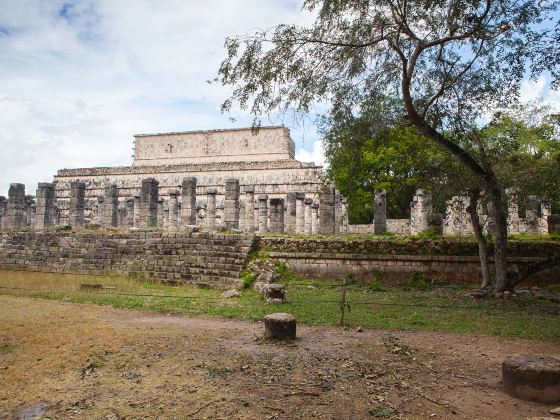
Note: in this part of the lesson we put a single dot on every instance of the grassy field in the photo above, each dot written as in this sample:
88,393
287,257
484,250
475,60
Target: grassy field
311,302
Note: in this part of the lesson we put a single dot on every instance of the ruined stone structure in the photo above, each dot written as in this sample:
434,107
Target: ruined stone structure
192,162
232,179
457,221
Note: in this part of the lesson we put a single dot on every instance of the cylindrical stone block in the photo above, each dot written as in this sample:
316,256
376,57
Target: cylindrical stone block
535,378
280,326
263,213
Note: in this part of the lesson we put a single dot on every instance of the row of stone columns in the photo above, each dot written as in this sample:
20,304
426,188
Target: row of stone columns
295,213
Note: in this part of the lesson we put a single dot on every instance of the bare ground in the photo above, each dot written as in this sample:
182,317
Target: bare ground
64,360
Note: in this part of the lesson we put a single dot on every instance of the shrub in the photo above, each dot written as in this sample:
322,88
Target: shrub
430,233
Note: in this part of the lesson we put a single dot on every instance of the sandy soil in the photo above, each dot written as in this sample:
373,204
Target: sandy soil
82,361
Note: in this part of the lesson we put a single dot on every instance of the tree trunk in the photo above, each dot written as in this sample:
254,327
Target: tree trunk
480,239
500,244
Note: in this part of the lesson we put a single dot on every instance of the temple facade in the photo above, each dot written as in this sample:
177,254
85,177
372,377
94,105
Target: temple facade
262,161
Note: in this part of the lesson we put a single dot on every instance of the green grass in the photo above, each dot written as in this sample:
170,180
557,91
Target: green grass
438,309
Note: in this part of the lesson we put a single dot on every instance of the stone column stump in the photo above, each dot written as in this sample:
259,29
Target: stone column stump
231,204
281,326
532,377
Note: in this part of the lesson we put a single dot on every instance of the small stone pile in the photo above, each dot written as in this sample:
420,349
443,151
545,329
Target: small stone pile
266,279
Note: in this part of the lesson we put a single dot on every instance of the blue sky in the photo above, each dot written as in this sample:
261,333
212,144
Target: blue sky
79,78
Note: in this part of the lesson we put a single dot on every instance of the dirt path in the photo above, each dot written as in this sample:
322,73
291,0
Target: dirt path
85,361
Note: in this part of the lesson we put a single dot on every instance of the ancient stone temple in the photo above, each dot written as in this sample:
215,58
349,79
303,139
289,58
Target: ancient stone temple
231,168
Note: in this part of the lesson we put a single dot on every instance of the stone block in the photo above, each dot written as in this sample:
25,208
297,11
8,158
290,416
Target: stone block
532,377
280,326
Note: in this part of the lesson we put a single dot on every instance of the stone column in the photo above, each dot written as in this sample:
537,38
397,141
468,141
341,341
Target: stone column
300,216
45,204
16,206
420,211
109,212
344,227
263,213
546,211
148,203
3,207
137,210
188,202
379,212
231,204
326,211
250,208
29,205
173,210
98,211
315,218
129,212
166,215
34,215
160,223
241,215
56,215
211,208
256,215
337,211
290,221
307,215
77,204
277,215
121,213
513,219
532,206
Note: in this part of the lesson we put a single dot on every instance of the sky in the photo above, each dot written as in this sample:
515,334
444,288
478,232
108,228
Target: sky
79,78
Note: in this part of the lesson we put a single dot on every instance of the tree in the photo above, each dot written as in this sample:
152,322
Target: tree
449,61
374,148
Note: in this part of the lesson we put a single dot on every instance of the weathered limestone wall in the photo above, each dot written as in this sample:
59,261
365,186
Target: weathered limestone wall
275,178
397,261
235,145
214,259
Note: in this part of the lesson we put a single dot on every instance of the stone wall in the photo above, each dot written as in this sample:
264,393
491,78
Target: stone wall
231,145
199,257
396,261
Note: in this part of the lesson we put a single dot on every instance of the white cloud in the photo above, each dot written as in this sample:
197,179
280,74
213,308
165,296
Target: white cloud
79,78
316,154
